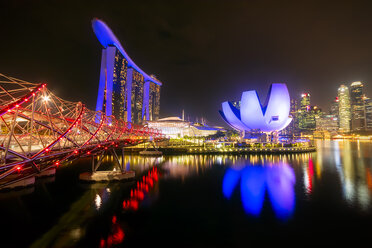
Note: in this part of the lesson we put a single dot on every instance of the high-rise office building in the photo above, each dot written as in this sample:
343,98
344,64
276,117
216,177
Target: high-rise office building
293,126
334,110
305,102
358,120
292,129
334,107
125,91
306,114
154,100
344,109
327,123
368,112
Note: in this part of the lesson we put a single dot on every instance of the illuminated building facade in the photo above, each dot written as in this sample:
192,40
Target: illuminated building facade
292,129
253,116
368,112
236,104
358,120
344,109
306,114
175,127
334,107
327,123
305,102
125,91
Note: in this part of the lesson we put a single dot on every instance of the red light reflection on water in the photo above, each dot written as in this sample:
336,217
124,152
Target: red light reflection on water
369,179
309,177
136,196
115,237
143,186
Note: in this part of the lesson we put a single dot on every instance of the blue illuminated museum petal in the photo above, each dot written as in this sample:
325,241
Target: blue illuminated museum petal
227,122
278,107
280,181
253,189
230,181
251,111
231,117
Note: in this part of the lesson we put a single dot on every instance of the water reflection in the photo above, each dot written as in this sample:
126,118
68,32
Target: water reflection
106,215
115,236
143,186
98,201
351,166
309,176
277,179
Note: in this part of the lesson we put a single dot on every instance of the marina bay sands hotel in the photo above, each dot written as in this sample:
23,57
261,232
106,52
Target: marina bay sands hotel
125,91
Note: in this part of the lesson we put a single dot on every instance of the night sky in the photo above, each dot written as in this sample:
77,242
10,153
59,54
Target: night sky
204,52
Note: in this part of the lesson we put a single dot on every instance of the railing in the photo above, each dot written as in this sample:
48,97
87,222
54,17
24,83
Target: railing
39,130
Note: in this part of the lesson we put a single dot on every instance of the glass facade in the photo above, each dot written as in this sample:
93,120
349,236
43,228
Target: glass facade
306,115
119,93
154,101
292,128
344,110
327,123
358,122
123,88
137,97
368,112
305,102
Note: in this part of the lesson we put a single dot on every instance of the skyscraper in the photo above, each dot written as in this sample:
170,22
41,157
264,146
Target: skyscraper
368,112
306,114
334,107
292,129
344,108
334,110
358,121
305,102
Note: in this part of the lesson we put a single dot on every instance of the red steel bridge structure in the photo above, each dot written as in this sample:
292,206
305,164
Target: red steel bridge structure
40,131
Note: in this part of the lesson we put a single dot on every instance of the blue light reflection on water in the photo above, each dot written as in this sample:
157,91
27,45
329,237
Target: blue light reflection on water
330,199
252,188
278,179
230,181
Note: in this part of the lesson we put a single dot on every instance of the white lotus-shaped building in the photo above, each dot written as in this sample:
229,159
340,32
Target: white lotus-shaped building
272,116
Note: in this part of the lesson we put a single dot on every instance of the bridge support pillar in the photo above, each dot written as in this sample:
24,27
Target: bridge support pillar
99,176
117,160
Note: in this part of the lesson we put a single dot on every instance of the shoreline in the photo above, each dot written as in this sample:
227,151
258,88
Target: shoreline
245,150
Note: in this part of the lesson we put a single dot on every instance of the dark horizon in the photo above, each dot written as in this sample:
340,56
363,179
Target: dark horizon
203,52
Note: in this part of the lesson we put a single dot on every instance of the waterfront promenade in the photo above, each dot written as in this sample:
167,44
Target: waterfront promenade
226,150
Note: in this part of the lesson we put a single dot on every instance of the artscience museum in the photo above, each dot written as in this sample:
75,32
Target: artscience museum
272,116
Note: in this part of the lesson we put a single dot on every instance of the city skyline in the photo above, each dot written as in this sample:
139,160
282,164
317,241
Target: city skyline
138,123
193,49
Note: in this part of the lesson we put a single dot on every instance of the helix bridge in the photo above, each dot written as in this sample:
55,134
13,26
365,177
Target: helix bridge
40,131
